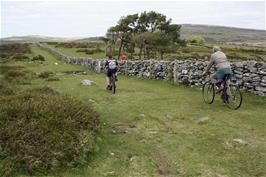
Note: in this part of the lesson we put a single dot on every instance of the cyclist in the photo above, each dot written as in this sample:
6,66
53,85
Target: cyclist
219,59
111,67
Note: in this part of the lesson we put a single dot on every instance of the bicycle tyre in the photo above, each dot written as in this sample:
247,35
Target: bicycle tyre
235,99
208,93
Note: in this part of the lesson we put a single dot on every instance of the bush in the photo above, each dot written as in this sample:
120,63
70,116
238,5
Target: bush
5,68
20,57
43,132
38,58
90,51
5,89
9,52
15,73
53,79
198,40
45,74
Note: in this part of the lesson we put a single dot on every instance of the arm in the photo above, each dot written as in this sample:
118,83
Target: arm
209,65
106,64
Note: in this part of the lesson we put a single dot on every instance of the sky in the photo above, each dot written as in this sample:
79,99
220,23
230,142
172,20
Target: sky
93,18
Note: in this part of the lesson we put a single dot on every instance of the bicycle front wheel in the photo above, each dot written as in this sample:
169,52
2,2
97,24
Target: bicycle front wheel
234,97
208,92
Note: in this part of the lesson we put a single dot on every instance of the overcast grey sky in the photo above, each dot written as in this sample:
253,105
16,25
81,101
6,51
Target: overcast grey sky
84,19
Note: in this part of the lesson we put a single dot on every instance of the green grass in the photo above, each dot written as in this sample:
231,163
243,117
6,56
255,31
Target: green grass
73,52
149,128
233,53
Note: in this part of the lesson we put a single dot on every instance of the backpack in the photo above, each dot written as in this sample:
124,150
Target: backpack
112,64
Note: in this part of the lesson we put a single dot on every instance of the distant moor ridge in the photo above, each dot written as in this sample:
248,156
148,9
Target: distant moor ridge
212,34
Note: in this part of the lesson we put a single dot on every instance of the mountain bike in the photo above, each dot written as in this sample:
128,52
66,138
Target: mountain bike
230,94
113,80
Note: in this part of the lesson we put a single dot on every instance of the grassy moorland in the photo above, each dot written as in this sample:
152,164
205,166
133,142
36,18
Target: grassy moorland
73,51
188,52
151,128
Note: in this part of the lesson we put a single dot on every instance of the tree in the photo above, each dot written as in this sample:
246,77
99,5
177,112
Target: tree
150,31
123,30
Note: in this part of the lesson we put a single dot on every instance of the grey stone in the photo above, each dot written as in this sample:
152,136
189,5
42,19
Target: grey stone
203,120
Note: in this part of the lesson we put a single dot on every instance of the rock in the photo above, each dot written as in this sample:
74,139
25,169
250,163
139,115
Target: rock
203,120
240,141
238,64
142,115
112,154
87,82
259,88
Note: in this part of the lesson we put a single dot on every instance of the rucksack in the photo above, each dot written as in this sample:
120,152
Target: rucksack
112,64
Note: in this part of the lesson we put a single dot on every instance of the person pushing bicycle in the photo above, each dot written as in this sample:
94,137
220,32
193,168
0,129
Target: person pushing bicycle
219,59
111,66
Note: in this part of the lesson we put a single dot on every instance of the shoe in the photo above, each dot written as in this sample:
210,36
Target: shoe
108,87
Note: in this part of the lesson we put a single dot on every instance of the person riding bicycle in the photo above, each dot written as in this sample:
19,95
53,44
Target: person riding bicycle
219,59
111,66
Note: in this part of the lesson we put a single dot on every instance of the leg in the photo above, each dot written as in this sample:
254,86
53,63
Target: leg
108,80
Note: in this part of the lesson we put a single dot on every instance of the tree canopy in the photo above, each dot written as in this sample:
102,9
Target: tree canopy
151,32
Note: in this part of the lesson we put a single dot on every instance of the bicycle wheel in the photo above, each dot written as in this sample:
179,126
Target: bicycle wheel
208,92
113,84
234,97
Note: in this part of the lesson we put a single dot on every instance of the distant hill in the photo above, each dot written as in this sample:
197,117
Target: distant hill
226,35
89,39
35,38
212,34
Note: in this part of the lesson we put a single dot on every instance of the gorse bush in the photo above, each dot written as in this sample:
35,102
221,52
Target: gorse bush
38,58
15,73
5,89
5,68
77,44
17,52
20,57
90,51
41,131
45,74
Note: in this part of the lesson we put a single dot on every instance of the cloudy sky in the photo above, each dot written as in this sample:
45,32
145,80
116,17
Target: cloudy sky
86,19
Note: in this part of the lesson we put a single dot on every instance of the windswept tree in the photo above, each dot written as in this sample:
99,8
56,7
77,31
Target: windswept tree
150,31
124,30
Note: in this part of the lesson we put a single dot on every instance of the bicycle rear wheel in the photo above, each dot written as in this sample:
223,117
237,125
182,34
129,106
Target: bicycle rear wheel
234,97
113,84
208,92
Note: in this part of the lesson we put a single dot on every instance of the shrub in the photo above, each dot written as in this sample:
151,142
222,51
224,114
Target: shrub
53,79
5,68
9,52
15,73
198,40
5,89
38,58
90,51
20,57
45,74
43,132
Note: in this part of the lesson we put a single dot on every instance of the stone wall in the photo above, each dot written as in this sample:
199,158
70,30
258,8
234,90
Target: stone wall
248,75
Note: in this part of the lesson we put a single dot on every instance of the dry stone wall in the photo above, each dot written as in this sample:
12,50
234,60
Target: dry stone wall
248,75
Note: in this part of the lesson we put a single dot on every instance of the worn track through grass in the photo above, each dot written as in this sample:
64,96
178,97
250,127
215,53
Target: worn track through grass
149,128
